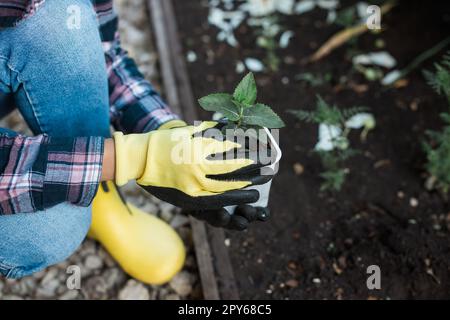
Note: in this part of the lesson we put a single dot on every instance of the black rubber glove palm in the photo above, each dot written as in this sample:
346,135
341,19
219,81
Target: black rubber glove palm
240,220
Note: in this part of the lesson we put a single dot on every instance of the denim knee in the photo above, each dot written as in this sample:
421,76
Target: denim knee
58,75
32,242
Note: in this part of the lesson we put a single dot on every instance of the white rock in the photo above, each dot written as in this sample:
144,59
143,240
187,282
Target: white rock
19,289
383,59
327,134
286,38
240,67
361,120
49,276
149,207
106,258
69,295
134,290
328,4
391,77
167,211
254,65
181,283
93,262
12,297
413,202
48,290
179,220
113,276
191,56
361,9
304,6
135,36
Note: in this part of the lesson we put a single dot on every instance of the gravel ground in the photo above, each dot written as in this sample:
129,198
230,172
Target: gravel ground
102,278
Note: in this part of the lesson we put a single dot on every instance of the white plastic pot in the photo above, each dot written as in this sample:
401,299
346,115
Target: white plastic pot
264,189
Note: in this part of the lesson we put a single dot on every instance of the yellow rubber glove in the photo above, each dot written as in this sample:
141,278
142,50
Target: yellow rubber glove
155,160
172,124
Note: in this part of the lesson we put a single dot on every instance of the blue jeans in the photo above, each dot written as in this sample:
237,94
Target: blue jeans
57,78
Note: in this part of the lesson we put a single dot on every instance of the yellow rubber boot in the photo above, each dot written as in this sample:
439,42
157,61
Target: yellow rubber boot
146,247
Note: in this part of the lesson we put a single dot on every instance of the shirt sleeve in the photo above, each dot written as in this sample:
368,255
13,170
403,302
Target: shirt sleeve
39,172
135,106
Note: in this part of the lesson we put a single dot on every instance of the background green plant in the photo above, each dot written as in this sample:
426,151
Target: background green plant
438,147
333,161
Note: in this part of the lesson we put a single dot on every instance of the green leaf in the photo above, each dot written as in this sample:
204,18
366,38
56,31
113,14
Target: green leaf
263,116
220,102
245,92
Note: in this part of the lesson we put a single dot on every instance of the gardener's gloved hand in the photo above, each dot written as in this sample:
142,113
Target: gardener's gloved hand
240,220
155,160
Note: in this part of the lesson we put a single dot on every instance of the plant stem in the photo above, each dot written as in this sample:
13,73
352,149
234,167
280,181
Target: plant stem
423,56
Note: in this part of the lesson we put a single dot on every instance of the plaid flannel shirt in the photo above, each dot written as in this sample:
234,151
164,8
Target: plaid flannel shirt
39,172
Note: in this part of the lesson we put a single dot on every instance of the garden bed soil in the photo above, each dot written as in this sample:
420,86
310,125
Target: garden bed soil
318,245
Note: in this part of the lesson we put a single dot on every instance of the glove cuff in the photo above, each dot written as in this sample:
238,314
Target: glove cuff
172,124
131,156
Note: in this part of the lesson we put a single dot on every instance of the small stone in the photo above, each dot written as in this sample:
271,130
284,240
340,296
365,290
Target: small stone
50,275
400,194
93,262
191,56
63,265
40,274
19,289
289,60
106,257
149,207
48,290
166,209
413,202
292,283
135,36
69,295
112,277
316,281
179,220
88,247
167,216
134,290
181,283
145,58
292,265
12,297
342,260
337,269
298,168
227,242
95,288
430,183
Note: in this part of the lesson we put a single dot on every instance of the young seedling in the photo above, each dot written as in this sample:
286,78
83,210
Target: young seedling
333,146
241,109
438,149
